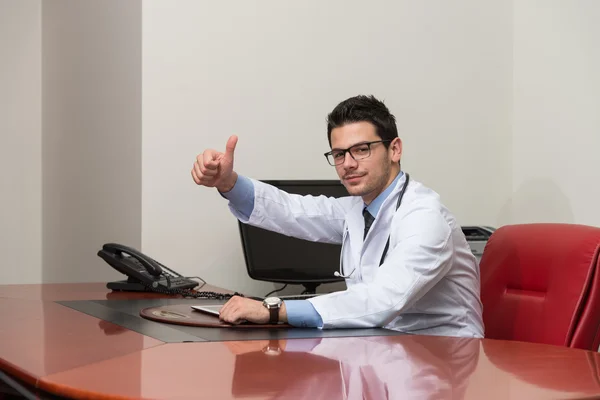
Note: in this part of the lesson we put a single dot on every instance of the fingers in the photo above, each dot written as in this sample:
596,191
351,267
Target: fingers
200,178
206,168
198,170
202,171
213,168
195,176
209,162
230,147
240,309
231,312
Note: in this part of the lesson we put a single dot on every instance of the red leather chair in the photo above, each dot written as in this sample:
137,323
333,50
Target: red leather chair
541,283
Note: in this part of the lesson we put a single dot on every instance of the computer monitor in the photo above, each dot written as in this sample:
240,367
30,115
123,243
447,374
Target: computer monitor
298,368
274,257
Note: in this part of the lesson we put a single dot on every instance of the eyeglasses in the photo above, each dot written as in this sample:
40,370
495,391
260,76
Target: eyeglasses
359,151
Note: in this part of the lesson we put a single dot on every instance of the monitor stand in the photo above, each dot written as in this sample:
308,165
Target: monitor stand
310,288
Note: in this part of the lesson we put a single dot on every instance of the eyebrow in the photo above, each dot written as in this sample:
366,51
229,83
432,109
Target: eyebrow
355,144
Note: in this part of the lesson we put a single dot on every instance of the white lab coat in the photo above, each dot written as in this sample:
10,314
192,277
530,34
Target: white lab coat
388,368
429,281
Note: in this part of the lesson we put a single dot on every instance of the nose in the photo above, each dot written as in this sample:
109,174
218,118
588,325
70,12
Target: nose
349,161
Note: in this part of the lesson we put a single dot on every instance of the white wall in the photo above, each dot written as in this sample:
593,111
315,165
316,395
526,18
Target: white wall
499,148
270,72
20,141
91,135
556,131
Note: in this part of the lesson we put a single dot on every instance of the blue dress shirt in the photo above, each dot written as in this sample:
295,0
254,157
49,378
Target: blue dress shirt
375,205
300,313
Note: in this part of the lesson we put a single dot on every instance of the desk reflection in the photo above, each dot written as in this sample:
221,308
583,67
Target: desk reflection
571,370
111,329
355,368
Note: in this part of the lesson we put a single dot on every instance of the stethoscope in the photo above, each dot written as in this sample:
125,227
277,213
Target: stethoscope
387,244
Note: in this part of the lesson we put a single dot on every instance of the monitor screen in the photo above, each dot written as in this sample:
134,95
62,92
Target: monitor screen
300,370
275,257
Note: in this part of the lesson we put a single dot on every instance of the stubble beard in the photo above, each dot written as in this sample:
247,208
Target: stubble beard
372,184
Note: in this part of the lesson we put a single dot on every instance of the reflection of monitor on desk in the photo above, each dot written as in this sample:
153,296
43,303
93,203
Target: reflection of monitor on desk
285,376
274,257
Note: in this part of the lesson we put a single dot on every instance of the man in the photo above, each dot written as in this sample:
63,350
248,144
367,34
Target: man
406,262
370,367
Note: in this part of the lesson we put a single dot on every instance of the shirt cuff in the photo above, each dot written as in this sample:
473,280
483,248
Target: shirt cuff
302,345
241,196
302,314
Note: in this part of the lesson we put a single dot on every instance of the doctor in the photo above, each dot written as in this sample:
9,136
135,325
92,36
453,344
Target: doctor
407,264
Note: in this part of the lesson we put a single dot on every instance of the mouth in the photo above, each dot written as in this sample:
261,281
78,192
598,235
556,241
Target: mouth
353,178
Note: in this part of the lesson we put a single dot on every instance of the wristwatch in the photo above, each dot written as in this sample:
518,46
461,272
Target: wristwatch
273,348
273,304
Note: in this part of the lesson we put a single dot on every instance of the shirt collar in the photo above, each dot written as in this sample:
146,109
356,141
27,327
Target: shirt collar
375,205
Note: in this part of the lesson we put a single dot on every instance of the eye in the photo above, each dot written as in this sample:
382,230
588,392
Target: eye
338,154
361,150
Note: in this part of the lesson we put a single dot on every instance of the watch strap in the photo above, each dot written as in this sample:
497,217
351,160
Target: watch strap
273,315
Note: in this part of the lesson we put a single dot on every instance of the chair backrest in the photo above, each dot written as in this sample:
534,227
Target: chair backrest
541,283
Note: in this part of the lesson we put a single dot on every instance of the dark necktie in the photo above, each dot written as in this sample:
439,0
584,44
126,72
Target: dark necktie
368,221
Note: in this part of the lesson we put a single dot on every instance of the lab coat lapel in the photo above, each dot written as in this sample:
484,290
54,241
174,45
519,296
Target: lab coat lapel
378,234
380,230
356,226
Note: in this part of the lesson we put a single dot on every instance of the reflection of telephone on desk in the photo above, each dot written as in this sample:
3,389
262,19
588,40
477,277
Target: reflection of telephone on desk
145,274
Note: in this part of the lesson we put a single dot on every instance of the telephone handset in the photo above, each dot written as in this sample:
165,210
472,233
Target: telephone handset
146,274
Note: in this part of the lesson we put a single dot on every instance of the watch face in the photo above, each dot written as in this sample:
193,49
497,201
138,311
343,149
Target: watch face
272,301
272,350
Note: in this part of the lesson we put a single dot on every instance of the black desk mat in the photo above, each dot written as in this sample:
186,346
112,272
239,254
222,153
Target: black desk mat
125,313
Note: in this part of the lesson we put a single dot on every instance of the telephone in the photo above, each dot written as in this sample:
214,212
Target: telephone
145,274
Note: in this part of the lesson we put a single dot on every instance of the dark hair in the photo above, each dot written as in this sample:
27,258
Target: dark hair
363,108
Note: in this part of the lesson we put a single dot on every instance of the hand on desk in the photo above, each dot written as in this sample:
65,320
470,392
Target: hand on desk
240,309
253,346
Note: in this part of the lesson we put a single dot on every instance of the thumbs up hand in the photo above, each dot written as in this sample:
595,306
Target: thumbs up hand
215,169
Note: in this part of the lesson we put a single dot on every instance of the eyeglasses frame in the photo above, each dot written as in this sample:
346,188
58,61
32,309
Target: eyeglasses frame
351,155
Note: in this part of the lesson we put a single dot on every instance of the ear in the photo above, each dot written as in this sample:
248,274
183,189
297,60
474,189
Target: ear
396,149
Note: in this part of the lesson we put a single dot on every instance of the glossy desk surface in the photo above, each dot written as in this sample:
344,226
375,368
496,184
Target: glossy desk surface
65,352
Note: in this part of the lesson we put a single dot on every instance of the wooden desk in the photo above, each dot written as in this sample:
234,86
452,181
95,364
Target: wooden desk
65,352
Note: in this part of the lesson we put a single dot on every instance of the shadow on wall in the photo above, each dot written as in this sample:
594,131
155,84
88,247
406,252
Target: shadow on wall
537,200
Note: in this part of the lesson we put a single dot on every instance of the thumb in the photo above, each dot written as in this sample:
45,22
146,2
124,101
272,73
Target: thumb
230,147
